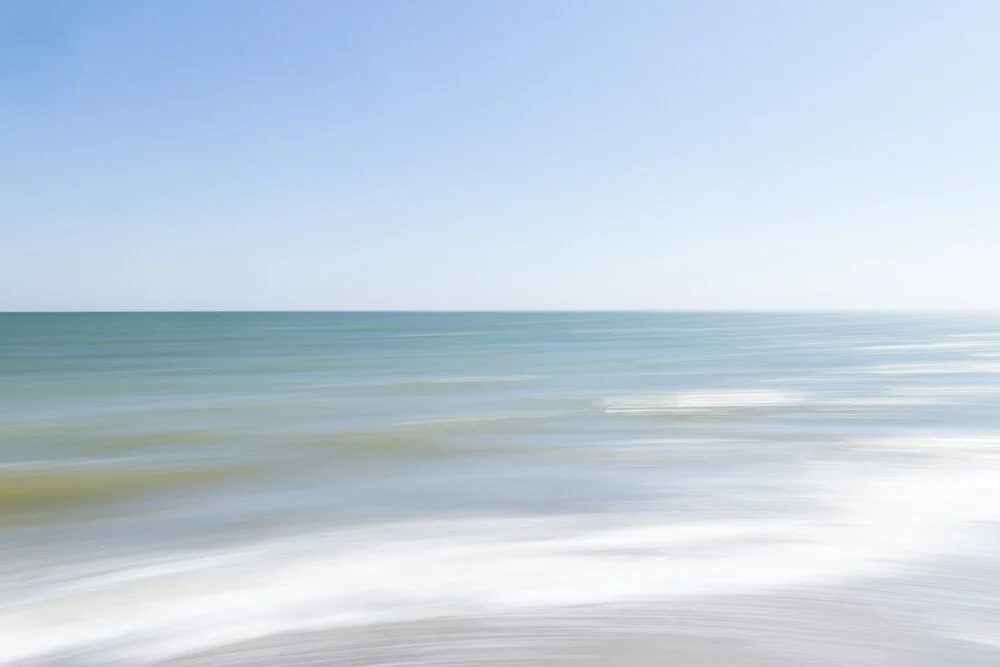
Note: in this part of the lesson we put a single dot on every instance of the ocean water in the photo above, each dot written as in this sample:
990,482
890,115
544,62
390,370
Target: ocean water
788,490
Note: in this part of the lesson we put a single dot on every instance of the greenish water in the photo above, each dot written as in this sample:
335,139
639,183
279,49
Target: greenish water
174,482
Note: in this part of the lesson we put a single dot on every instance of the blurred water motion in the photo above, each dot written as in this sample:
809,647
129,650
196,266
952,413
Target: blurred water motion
530,489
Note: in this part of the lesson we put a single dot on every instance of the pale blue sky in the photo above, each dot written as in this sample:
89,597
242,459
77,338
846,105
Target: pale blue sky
499,154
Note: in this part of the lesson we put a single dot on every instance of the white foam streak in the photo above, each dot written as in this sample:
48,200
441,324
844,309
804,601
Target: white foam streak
867,525
945,444
970,345
702,401
936,368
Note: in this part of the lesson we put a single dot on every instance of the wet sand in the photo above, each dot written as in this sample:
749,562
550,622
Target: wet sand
792,631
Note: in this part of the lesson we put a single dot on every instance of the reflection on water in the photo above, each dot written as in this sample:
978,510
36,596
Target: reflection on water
219,488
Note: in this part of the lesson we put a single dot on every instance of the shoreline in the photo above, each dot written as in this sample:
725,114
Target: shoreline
816,629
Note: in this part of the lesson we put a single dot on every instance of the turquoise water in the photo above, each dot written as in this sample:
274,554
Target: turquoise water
179,483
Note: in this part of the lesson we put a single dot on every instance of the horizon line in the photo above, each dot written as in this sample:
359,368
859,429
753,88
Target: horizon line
403,311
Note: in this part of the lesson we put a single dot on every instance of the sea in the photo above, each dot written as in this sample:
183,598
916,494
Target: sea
515,489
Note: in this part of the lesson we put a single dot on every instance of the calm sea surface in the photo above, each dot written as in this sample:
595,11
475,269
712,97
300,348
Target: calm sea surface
781,490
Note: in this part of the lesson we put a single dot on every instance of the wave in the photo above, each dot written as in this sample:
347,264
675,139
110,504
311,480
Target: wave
971,443
863,525
944,392
39,490
936,368
701,402
449,334
862,402
969,345
459,420
472,379
435,384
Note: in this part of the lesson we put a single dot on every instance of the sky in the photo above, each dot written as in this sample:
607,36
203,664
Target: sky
499,154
